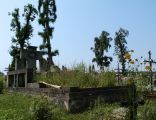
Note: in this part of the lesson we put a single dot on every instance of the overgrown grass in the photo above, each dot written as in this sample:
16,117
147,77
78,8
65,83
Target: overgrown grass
1,83
14,106
148,111
98,112
76,78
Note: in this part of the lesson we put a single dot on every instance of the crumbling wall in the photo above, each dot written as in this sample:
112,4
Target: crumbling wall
75,99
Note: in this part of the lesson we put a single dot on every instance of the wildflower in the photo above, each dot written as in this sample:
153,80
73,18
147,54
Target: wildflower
132,62
127,56
148,67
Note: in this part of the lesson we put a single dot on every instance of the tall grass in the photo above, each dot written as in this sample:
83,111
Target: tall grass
76,78
99,112
148,111
14,106
1,83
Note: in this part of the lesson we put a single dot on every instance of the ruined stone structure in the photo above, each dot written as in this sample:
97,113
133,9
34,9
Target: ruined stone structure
76,99
25,67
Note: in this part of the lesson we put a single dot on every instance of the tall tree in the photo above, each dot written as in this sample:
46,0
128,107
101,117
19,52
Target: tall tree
120,47
22,32
102,45
47,16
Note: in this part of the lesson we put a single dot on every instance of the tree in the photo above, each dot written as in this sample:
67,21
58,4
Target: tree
102,45
22,33
47,16
121,48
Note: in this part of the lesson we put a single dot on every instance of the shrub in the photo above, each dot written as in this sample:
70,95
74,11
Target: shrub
41,110
148,111
1,86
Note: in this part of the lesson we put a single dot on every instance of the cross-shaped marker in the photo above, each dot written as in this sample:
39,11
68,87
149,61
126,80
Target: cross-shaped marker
151,62
118,73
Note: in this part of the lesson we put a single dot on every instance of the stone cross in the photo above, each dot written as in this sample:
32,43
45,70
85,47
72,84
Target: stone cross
151,62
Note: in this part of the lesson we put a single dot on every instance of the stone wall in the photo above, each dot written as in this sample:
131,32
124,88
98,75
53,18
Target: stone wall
75,99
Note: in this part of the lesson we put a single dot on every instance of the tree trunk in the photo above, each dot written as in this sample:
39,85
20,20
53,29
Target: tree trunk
50,60
122,58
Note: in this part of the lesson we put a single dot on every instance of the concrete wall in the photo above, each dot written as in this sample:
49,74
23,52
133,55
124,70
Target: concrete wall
75,99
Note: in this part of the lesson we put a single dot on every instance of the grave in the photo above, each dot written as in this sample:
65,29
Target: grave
150,61
25,68
75,99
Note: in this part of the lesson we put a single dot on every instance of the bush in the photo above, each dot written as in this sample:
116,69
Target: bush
148,111
1,86
41,110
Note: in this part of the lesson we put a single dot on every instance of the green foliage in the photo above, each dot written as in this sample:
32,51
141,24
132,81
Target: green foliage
47,16
1,83
41,110
78,77
120,47
101,45
22,32
1,86
143,84
99,112
107,79
81,67
148,111
15,106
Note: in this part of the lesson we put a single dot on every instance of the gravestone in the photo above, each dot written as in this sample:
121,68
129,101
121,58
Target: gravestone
25,67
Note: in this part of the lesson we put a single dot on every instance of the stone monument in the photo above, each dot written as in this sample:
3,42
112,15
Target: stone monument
25,67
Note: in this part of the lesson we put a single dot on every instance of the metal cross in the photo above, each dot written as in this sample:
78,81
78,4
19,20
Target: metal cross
118,73
150,61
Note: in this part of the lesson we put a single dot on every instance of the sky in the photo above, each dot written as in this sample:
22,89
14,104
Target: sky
80,21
